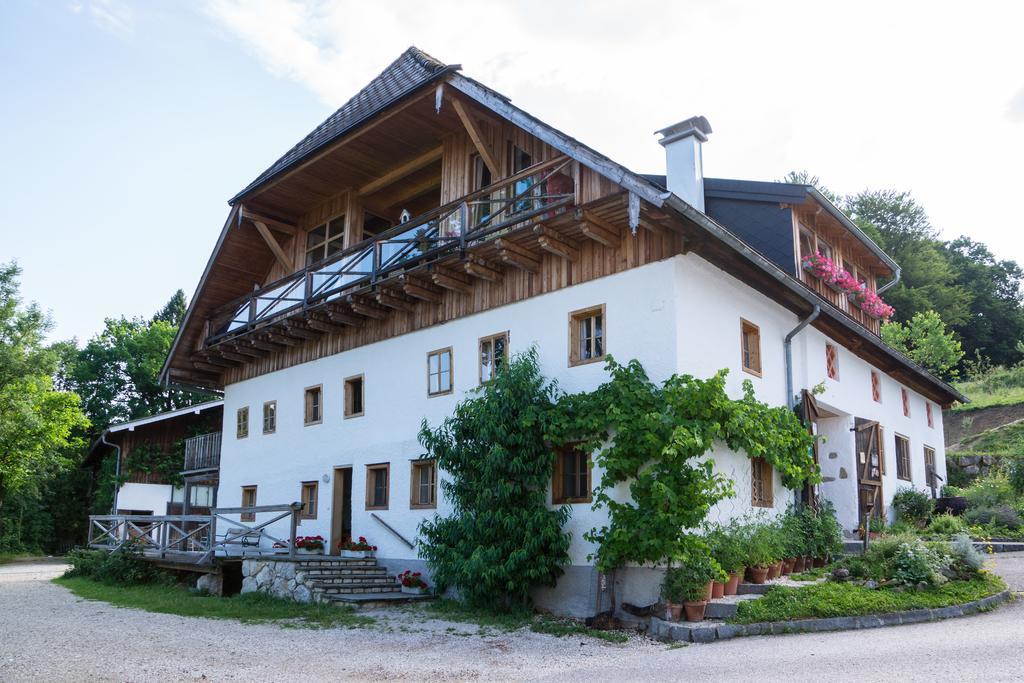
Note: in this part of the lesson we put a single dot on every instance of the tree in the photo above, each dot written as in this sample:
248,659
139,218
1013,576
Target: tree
995,322
927,341
37,423
174,310
500,540
804,177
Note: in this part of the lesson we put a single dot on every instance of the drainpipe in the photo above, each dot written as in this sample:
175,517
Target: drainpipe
117,469
788,345
892,282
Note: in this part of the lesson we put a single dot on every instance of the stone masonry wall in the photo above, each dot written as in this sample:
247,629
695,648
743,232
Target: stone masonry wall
280,579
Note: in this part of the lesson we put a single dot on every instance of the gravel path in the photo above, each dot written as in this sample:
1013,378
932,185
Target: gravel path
48,634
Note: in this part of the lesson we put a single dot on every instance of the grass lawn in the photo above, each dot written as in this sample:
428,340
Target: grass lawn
450,610
251,608
831,599
999,386
7,558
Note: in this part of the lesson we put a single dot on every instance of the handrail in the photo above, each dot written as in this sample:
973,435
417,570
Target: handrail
387,526
419,238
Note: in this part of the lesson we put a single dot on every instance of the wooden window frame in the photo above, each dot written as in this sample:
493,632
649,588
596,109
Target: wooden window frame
832,361
929,412
307,407
762,471
439,353
480,354
304,487
350,396
370,470
904,459
745,326
905,398
248,516
558,496
414,484
242,423
575,319
272,406
323,245
876,387
929,478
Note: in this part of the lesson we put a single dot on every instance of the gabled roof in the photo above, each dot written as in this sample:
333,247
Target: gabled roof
130,425
409,72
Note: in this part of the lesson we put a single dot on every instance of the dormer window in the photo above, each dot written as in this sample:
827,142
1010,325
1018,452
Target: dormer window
325,241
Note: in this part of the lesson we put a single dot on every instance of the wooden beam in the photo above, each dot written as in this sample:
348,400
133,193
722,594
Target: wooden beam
246,350
281,339
599,234
343,317
279,254
208,367
481,270
477,136
216,359
323,326
231,355
553,243
421,291
400,172
516,255
293,328
264,345
272,223
453,282
366,309
392,301
410,191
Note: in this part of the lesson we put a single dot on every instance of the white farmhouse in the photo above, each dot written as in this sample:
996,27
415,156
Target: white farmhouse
389,262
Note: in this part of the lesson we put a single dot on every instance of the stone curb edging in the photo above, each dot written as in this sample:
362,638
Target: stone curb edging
998,546
669,631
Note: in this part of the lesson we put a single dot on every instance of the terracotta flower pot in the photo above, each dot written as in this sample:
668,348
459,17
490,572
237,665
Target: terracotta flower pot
717,590
787,565
707,591
695,609
798,564
734,581
775,570
808,563
758,574
675,610
820,562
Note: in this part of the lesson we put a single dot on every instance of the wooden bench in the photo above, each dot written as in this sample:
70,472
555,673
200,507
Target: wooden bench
243,538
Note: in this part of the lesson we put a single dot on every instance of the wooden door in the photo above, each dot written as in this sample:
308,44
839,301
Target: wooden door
341,508
870,468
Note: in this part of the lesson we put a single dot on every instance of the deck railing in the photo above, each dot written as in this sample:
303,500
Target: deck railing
452,228
196,538
202,452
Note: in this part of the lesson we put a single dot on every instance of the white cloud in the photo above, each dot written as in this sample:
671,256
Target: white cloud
883,94
109,15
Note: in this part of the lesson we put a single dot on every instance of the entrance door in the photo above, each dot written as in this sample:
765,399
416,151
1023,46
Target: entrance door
870,468
341,508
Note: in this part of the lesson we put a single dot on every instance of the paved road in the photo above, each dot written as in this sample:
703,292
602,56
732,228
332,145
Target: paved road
48,634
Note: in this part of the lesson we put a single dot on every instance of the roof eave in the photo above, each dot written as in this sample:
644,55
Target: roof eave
838,214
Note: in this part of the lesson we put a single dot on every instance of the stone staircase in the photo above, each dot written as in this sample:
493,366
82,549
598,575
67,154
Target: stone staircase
355,582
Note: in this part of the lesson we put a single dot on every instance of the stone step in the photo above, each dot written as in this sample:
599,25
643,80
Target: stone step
720,610
338,562
354,571
349,578
753,588
353,590
376,600
353,581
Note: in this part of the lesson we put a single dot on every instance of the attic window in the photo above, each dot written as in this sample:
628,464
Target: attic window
324,241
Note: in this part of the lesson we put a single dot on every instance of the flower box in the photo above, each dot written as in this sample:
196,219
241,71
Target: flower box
360,549
356,554
412,582
414,590
309,551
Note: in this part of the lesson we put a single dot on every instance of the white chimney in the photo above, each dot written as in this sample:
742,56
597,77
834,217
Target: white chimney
684,168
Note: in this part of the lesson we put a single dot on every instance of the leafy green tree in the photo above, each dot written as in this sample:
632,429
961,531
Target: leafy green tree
501,539
927,341
174,310
37,423
804,177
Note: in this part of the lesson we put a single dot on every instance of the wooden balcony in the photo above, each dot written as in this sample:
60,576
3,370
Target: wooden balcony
202,453
335,289
841,301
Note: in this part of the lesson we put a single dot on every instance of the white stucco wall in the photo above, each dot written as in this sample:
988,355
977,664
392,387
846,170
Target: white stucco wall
678,315
144,497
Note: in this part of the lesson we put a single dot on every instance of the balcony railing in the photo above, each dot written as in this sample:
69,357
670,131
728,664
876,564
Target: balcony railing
538,191
202,452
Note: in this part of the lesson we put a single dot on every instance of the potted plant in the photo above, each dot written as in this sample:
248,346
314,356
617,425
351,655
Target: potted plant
412,582
357,549
309,545
759,553
727,548
688,583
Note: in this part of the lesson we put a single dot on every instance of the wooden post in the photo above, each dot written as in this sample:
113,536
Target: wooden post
294,526
212,543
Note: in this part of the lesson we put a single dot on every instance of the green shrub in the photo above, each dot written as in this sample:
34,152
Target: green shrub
966,558
946,525
763,544
990,491
689,579
828,533
84,562
913,506
726,542
124,566
794,534
914,563
996,516
900,527
1015,474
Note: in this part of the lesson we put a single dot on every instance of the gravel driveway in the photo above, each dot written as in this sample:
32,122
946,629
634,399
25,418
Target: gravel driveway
48,634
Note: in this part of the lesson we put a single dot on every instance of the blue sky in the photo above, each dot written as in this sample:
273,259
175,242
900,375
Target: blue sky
125,127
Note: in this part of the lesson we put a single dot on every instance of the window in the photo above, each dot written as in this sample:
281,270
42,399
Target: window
761,483
314,413
178,494
242,423
832,361
309,500
902,457
521,161
806,243
906,402
493,354
929,466
248,501
200,496
354,396
377,486
876,387
481,176
571,481
586,335
423,481
439,372
325,240
750,341
928,412
270,417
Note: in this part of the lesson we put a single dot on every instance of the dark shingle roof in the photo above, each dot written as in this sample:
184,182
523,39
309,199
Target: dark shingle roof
407,73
